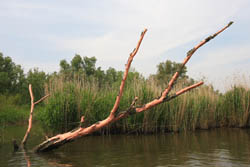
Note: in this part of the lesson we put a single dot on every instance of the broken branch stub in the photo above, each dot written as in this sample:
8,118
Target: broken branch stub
174,78
61,139
32,105
130,59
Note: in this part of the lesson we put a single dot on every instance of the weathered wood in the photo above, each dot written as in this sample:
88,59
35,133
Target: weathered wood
174,78
32,105
130,59
61,139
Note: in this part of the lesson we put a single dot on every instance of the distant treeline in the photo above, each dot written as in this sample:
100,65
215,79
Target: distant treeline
14,82
14,94
81,88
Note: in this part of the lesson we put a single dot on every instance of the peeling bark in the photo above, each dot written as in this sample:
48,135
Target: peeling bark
32,105
61,139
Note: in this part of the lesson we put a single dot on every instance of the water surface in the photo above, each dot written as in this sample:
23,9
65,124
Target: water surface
218,147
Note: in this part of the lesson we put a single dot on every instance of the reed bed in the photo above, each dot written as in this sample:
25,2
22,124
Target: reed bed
202,108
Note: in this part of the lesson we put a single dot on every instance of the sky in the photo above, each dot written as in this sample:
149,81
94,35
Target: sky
41,33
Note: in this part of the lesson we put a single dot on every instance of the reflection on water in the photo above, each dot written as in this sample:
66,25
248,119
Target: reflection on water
218,147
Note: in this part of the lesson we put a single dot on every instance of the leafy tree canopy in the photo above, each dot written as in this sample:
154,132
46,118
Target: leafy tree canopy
11,75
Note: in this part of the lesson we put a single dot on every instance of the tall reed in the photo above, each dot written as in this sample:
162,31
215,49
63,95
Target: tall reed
201,108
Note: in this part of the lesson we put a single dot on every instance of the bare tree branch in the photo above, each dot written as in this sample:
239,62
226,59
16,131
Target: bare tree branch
174,78
61,139
25,138
43,98
130,59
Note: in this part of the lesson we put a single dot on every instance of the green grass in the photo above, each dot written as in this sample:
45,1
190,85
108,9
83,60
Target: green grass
201,108
10,112
13,113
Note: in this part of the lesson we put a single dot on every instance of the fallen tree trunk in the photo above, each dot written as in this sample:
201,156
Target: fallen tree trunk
61,139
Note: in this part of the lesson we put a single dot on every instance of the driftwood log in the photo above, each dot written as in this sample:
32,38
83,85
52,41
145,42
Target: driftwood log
61,139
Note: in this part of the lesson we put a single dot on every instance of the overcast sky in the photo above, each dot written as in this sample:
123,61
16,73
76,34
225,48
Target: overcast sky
41,33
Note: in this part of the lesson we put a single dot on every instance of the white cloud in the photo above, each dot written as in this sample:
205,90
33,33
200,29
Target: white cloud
170,23
224,56
118,23
223,65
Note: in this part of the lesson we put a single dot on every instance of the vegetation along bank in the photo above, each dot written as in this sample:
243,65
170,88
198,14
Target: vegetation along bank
80,88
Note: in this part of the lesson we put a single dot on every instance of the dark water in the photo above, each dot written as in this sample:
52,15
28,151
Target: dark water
218,147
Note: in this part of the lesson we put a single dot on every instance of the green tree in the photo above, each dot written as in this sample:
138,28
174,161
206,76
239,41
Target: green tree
77,63
37,79
64,66
11,76
166,70
89,65
112,75
100,76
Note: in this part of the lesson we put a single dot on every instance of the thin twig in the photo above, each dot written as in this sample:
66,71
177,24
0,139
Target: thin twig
175,76
43,98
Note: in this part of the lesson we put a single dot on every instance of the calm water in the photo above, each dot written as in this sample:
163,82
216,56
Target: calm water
219,147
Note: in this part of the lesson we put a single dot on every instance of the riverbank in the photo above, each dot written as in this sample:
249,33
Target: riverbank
12,113
202,108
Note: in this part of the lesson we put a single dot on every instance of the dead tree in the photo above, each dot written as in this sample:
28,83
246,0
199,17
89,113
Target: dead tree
61,139
32,105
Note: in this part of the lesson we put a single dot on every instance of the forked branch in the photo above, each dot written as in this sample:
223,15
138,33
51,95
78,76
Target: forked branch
130,59
32,105
60,139
174,78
